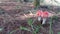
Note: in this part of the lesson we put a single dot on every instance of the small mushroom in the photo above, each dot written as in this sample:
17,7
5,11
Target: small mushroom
42,15
39,14
45,16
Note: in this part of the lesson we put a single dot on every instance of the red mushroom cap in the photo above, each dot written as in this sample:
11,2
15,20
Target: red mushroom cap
45,14
39,12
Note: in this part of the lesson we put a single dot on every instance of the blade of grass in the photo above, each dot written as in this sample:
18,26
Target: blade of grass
30,22
12,31
58,32
51,21
24,28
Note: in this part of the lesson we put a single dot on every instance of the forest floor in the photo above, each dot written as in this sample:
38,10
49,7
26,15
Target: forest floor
11,19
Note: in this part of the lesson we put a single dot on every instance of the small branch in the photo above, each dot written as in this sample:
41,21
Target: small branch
25,15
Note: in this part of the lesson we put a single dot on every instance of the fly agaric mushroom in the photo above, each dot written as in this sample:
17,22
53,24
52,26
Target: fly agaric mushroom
44,16
39,14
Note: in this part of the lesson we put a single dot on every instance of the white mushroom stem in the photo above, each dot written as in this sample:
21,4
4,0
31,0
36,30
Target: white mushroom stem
44,20
39,18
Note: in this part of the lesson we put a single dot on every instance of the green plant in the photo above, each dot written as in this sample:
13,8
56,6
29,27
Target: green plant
58,32
24,28
35,29
51,21
36,3
51,32
12,31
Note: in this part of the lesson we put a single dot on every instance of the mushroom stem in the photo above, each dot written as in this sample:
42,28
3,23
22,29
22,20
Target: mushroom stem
39,18
44,20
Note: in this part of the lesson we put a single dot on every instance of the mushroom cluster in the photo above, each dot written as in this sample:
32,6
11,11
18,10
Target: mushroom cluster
42,15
